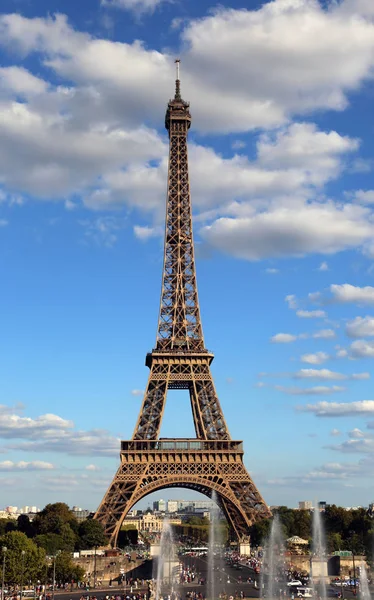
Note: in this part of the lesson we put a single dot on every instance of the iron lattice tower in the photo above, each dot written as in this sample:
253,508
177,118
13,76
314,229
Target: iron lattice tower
211,461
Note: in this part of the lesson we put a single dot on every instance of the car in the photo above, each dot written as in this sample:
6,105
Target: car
294,582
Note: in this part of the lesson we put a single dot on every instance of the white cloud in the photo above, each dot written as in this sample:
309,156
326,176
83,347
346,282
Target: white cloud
335,432
356,433
272,271
282,231
326,374
360,376
101,230
319,374
51,433
346,293
238,145
334,53
3,222
324,334
355,446
270,206
283,338
137,392
144,233
318,390
343,409
334,56
136,6
323,266
36,465
92,468
13,426
364,197
311,314
341,352
360,327
19,81
362,349
315,359
291,301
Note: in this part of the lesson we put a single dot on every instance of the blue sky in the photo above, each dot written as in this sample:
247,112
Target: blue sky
281,165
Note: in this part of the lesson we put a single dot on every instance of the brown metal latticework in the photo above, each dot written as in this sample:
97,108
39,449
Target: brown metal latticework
180,360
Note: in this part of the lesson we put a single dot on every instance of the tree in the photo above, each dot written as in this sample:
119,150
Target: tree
53,517
25,526
260,531
29,569
51,542
7,525
66,569
91,534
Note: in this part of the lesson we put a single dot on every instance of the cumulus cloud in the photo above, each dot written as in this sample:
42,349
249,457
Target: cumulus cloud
51,433
347,293
324,334
284,231
360,327
318,390
253,208
335,432
362,349
355,446
323,266
333,471
36,465
326,374
319,374
272,271
292,301
315,359
311,314
13,426
336,409
364,197
136,6
283,338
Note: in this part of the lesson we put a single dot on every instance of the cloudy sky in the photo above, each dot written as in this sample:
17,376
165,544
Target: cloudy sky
282,178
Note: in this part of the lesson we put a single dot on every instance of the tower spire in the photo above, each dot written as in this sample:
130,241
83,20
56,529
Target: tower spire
177,81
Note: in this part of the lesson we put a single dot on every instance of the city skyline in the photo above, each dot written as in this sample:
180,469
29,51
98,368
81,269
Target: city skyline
281,167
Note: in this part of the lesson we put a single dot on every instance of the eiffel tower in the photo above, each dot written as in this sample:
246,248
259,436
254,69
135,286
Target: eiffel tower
212,461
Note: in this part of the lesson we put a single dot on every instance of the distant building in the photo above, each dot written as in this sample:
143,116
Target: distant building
172,506
322,505
305,505
371,510
159,505
81,514
149,522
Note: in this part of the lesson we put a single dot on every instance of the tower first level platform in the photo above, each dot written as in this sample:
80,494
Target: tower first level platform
201,465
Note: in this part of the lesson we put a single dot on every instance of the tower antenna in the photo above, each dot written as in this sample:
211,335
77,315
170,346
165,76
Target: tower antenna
177,81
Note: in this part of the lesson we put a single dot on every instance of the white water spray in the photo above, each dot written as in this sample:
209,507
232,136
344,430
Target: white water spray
274,563
364,583
166,559
213,539
319,558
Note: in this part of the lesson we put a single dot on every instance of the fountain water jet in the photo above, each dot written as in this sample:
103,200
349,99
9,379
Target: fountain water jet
364,583
318,562
167,559
274,563
213,535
